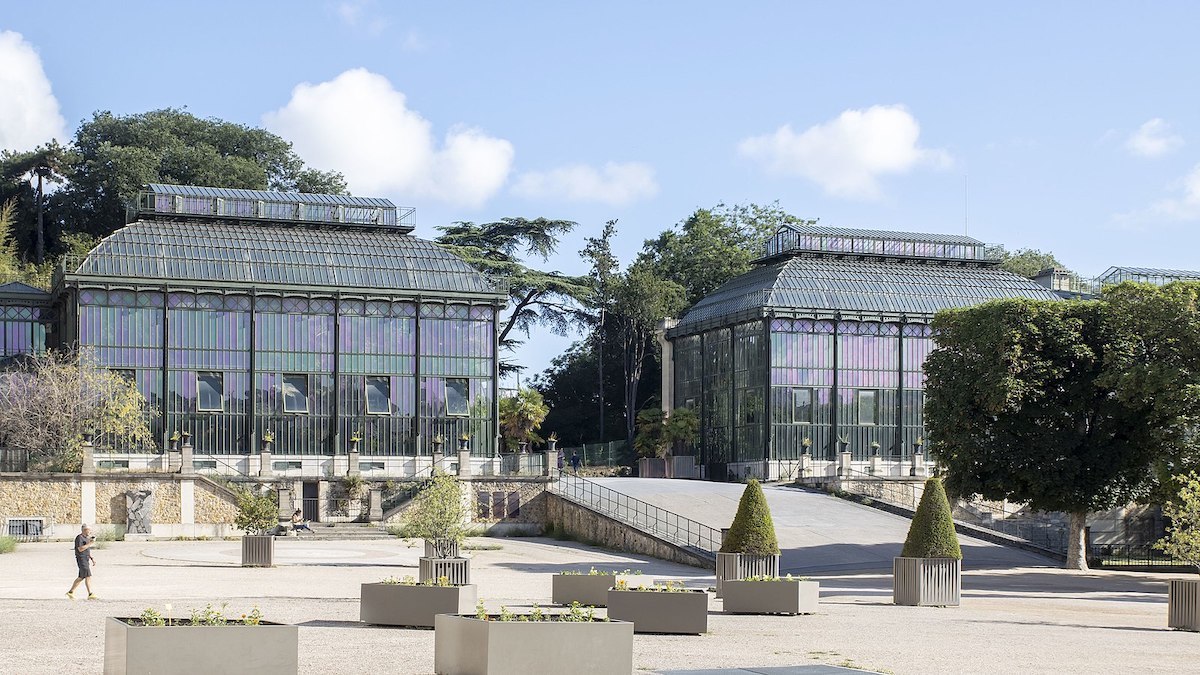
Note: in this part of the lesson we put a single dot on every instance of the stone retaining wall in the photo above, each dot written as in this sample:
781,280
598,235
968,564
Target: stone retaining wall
589,526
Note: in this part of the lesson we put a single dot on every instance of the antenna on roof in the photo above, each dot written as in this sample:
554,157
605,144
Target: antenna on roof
966,198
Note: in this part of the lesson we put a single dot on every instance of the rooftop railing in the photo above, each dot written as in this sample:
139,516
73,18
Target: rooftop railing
239,208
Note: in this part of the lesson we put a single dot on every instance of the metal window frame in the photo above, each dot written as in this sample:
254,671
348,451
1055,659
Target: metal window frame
858,405
792,391
307,389
199,399
446,396
367,394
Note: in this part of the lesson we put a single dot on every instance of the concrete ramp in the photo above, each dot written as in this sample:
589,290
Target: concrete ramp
818,533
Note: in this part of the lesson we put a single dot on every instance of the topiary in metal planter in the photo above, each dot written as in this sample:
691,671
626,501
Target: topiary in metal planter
735,566
468,645
258,550
1183,604
265,649
927,582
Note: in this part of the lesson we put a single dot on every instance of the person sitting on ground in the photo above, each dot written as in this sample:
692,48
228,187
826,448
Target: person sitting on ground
298,522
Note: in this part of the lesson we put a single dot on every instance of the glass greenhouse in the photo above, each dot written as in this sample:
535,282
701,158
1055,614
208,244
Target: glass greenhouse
315,318
819,349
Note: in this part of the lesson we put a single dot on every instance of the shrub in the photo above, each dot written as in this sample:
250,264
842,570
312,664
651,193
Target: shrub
258,512
1183,536
437,513
752,531
931,534
8,544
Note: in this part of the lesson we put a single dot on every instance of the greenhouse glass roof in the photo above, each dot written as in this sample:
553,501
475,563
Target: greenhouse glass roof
824,286
184,201
383,259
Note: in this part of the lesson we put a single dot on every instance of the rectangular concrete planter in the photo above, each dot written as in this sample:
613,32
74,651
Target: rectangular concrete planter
586,589
258,550
402,605
269,649
465,645
935,582
733,566
772,597
684,612
456,570
1183,604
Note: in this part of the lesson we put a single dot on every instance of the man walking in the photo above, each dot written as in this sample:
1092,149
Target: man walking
575,462
84,542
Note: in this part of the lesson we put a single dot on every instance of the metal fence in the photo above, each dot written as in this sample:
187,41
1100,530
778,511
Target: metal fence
523,464
14,460
1117,556
636,513
334,509
612,453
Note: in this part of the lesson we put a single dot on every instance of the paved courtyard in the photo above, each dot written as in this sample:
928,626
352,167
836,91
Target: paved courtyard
1013,620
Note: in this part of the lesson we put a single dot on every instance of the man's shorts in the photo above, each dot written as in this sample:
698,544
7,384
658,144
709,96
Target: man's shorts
85,568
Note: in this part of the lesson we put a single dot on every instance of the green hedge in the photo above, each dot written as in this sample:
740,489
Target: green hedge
752,530
931,534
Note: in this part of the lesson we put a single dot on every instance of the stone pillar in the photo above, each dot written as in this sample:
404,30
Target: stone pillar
264,460
87,500
352,468
436,460
668,363
174,461
876,464
88,456
844,463
375,504
285,503
464,462
805,469
139,505
185,459
918,464
187,502
552,458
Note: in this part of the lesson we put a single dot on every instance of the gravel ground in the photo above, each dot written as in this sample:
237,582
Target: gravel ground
1018,620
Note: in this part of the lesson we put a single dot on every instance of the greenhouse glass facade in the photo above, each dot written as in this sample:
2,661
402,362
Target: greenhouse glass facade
308,319
818,351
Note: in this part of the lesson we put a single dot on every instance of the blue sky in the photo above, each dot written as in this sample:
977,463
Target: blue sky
1069,127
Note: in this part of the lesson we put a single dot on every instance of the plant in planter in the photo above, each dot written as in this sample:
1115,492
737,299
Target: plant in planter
591,588
208,642
575,641
405,602
438,516
750,547
258,517
664,608
771,595
1183,543
929,569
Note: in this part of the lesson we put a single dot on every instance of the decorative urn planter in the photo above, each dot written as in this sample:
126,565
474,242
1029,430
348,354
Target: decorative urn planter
264,649
927,582
734,566
776,596
1183,604
469,645
661,611
258,550
413,604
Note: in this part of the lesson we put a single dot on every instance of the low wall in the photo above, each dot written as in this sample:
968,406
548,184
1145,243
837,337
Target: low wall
184,506
589,526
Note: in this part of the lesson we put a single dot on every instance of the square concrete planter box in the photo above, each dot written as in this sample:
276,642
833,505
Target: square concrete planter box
258,550
269,649
465,645
683,612
927,582
734,566
586,589
772,597
1183,604
405,605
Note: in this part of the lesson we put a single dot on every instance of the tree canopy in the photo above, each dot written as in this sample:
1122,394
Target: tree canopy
1018,407
1026,262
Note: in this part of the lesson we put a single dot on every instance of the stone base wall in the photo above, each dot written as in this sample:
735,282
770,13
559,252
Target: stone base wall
588,526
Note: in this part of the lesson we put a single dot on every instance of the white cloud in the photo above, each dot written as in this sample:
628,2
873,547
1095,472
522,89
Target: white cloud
847,155
360,14
615,184
1186,206
357,123
29,113
1153,139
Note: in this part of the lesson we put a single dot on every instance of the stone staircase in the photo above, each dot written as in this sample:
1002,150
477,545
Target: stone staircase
344,531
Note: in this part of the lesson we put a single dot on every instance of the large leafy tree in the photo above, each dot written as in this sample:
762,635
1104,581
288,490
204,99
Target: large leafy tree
1026,262
113,156
1155,365
1019,407
521,416
45,164
548,299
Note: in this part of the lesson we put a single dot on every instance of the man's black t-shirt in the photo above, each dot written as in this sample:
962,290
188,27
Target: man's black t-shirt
81,556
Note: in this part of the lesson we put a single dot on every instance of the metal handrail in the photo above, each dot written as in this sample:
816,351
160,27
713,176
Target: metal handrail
654,520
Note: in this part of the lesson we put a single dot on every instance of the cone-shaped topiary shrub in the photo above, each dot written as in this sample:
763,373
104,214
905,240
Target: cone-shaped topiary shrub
931,534
752,530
